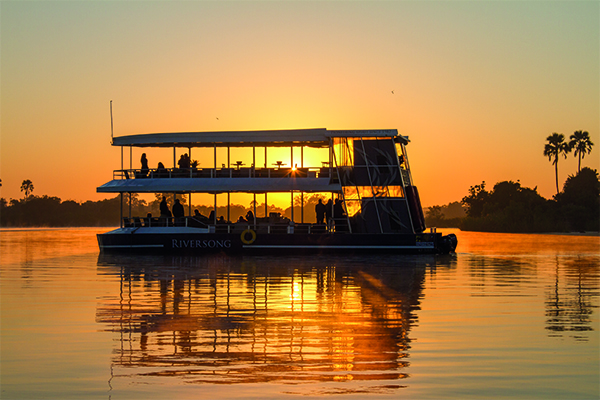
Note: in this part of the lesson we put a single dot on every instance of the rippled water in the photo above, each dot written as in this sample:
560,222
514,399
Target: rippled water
509,316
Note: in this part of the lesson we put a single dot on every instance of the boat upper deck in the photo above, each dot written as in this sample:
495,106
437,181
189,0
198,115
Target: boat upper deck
377,154
270,138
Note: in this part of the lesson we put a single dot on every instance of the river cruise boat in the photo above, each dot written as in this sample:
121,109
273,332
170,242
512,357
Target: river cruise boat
369,201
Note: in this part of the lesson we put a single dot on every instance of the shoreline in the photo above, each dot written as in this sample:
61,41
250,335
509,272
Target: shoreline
586,234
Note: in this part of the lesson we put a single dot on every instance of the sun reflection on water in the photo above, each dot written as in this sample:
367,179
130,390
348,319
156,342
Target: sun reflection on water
212,320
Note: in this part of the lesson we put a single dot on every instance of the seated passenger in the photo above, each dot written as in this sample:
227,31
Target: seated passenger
161,171
241,220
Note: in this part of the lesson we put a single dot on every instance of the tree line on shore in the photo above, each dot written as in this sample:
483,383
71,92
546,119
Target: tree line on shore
50,211
510,207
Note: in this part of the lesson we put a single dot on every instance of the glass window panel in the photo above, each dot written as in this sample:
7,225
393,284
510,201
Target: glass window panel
350,193
375,191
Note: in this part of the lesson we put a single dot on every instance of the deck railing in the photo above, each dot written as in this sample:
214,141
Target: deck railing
323,172
260,227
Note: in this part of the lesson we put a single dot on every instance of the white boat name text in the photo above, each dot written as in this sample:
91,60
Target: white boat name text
201,244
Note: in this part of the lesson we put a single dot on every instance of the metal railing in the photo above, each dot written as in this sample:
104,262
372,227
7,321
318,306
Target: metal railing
222,173
259,227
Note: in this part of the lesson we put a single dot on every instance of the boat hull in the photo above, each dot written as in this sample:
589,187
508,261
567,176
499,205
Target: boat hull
248,242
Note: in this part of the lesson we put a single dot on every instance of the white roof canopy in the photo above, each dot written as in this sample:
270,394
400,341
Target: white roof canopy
272,138
219,185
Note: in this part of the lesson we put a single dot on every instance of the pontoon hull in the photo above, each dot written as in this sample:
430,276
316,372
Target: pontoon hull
131,239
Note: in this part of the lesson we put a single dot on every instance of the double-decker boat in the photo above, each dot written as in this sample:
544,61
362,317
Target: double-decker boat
373,204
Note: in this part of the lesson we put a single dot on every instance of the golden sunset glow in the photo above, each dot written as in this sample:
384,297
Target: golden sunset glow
477,86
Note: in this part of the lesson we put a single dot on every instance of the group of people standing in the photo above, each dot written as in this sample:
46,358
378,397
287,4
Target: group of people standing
178,211
324,211
184,163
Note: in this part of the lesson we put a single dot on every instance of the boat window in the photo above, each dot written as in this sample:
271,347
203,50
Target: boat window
358,192
343,149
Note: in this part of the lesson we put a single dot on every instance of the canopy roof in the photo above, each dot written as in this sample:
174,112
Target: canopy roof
272,138
219,185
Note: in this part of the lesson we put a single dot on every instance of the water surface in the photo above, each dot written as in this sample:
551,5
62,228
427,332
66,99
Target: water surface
509,316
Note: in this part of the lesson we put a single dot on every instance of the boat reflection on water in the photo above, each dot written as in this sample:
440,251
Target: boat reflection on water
261,319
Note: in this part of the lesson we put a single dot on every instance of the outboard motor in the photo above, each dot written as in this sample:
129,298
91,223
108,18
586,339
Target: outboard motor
448,244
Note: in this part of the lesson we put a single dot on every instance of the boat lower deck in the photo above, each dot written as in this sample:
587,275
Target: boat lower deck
198,241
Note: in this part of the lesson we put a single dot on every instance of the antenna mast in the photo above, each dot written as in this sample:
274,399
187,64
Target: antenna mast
111,123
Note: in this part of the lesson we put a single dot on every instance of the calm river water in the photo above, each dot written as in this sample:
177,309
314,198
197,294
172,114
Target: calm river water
509,316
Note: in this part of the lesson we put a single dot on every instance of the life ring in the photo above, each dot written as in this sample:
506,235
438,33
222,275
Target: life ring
252,236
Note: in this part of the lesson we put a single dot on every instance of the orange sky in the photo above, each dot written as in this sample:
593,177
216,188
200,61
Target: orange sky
477,86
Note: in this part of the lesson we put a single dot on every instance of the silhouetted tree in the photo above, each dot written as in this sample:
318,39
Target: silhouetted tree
434,216
555,147
581,143
476,199
580,200
27,187
507,208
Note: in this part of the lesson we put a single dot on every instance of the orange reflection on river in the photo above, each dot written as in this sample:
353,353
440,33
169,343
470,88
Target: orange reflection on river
218,321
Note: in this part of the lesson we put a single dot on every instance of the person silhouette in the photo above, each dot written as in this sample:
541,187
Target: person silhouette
178,211
320,210
338,209
145,169
164,208
328,211
161,171
184,161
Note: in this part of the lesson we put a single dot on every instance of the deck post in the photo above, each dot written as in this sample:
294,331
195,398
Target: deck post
301,207
215,216
292,205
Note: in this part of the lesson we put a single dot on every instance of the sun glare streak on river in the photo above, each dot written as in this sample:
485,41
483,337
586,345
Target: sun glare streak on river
508,316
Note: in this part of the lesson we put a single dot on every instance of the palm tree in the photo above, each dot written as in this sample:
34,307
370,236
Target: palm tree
27,187
556,146
580,141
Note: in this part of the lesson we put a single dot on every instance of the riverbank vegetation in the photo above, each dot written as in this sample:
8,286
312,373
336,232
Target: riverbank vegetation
46,211
510,207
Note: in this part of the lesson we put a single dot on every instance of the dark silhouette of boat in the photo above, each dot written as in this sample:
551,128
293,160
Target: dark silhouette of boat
375,206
